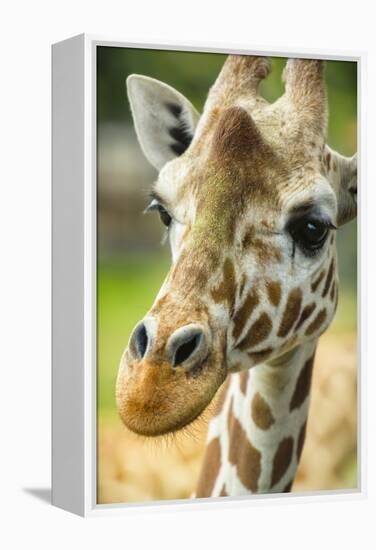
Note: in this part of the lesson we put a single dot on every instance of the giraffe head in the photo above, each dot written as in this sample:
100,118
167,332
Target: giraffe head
251,197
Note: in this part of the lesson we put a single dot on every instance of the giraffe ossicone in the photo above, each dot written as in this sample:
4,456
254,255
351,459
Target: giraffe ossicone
251,196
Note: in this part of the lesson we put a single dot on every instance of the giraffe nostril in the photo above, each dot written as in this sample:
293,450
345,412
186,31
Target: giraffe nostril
186,349
188,346
140,340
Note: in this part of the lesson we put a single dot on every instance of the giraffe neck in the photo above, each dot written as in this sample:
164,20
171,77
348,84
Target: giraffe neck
257,434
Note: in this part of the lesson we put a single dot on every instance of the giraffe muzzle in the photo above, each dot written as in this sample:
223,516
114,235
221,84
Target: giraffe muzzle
167,377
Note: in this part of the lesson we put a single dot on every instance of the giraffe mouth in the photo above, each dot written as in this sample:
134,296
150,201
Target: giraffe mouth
155,399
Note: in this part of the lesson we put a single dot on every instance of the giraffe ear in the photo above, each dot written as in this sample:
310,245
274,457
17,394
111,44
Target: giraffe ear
347,189
165,121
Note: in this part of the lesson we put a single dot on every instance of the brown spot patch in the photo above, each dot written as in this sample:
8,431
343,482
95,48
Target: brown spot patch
259,356
244,313
243,455
261,413
282,459
306,313
223,492
274,292
242,284
336,299
328,279
225,292
303,385
243,381
260,330
333,291
264,250
327,161
287,488
316,323
248,237
222,392
210,469
291,313
300,442
316,283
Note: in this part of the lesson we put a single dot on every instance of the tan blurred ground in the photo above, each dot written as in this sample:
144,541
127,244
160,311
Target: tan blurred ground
133,469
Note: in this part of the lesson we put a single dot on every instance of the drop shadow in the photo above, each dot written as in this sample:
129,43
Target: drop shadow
41,493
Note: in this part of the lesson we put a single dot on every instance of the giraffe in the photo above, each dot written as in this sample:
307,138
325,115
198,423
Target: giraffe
251,196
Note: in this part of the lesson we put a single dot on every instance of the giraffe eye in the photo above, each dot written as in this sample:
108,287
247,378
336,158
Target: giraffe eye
310,233
165,217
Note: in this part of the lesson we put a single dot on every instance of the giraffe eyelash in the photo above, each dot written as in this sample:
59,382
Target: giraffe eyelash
154,205
164,214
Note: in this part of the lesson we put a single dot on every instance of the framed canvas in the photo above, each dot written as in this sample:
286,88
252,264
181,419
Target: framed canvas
208,352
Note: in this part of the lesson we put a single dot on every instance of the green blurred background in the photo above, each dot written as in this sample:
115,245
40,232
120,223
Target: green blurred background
132,262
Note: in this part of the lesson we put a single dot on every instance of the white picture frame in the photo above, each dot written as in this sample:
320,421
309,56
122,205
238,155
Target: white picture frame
74,476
